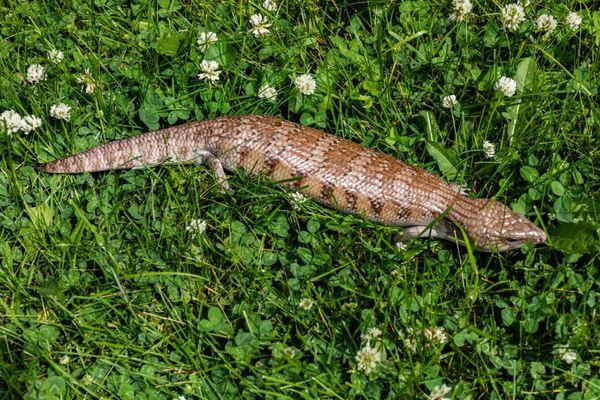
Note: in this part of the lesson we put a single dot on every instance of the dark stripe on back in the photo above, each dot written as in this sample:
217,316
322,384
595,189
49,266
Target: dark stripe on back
350,199
327,192
299,179
270,165
377,204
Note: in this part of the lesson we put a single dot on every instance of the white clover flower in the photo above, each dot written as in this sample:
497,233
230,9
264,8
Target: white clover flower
506,86
372,333
512,16
260,25
289,352
196,226
460,9
489,149
297,199
306,303
56,56
210,71
566,354
36,73
182,397
546,23
64,360
409,340
80,78
306,84
90,87
30,123
367,359
268,92
449,101
435,335
60,111
573,20
86,78
88,379
11,121
205,39
401,246
440,392
411,343
269,5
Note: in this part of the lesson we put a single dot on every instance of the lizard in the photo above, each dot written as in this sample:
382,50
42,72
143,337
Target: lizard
336,172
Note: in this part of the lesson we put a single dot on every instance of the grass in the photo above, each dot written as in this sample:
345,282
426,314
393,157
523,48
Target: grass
104,293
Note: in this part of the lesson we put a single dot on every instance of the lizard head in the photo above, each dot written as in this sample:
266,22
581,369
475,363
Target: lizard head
493,226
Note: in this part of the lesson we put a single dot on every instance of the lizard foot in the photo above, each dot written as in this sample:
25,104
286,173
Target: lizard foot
461,189
217,167
440,230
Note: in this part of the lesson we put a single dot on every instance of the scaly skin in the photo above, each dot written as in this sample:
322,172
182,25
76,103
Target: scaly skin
334,171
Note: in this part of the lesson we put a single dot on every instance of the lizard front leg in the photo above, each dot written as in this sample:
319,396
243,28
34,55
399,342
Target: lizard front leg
216,166
439,230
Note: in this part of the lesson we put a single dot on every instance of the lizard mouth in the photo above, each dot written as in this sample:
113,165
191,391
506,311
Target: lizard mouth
515,241
503,245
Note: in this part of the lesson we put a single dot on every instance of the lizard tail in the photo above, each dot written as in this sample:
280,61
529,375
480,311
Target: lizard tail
144,150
